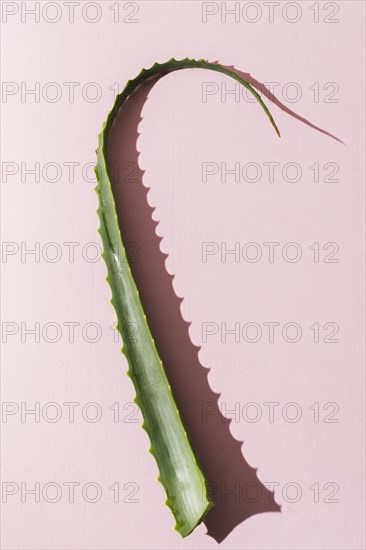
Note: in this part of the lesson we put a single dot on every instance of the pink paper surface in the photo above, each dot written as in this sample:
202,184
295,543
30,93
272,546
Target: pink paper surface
265,239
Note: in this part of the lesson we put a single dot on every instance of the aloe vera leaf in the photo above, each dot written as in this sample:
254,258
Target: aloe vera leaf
179,472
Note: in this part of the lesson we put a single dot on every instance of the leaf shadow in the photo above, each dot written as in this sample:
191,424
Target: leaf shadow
264,91
236,489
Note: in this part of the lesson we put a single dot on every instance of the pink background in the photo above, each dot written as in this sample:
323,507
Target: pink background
178,133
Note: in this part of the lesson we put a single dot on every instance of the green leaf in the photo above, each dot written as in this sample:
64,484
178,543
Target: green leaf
179,472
